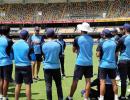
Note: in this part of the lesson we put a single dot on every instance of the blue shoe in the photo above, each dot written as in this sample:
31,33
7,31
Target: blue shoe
82,93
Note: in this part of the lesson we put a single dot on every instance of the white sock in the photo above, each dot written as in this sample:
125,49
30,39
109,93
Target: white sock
1,96
116,97
4,98
101,97
70,97
86,98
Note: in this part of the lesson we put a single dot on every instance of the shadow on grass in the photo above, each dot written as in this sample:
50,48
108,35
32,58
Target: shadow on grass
69,76
12,91
41,80
38,99
21,95
24,95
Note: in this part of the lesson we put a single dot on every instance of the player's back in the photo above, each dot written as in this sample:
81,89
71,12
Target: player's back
51,51
21,53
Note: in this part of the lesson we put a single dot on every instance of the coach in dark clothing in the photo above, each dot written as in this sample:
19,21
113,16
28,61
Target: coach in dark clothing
62,57
95,93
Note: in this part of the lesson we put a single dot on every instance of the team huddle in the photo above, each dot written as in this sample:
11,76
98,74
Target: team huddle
112,51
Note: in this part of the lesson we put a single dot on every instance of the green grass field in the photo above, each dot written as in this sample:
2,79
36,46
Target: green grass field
39,90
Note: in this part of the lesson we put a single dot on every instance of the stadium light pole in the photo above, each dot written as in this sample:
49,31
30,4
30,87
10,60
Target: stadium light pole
2,14
39,13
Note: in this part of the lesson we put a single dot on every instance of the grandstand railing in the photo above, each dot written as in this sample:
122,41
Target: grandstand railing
67,21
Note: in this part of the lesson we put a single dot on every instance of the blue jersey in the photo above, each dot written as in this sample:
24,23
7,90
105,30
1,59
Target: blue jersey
21,51
4,51
51,51
108,51
124,46
36,41
84,45
101,40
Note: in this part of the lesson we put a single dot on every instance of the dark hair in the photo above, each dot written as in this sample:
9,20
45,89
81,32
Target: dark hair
24,37
108,35
50,36
84,32
50,33
4,30
128,30
24,34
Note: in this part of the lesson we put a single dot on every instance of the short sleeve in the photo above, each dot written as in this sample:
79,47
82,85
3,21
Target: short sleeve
75,43
29,39
9,47
42,39
99,47
120,44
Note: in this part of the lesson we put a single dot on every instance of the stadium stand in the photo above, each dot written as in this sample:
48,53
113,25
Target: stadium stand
60,11
66,30
60,30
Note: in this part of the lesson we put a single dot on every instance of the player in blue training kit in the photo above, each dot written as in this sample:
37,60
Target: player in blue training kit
5,61
83,46
107,53
124,60
23,72
35,41
51,64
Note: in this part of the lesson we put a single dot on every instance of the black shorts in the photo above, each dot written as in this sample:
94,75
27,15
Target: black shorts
38,57
6,72
103,72
23,74
87,71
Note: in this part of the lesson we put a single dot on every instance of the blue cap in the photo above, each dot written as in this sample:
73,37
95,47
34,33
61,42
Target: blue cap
106,32
24,33
50,32
126,26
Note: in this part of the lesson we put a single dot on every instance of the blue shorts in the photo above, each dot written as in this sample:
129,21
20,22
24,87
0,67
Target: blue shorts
33,57
36,57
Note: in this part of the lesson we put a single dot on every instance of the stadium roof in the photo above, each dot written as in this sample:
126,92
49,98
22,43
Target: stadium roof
46,1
